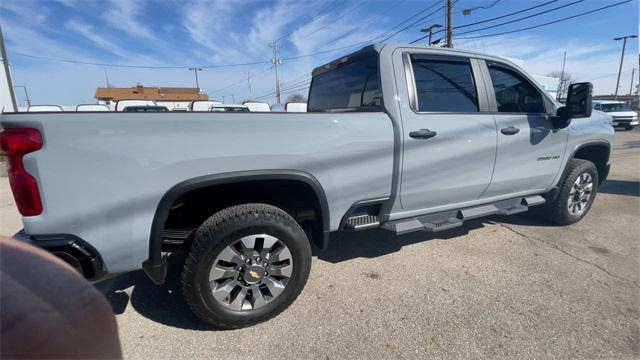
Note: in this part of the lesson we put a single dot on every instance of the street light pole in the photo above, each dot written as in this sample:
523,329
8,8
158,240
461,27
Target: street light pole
624,46
26,94
633,74
430,31
195,71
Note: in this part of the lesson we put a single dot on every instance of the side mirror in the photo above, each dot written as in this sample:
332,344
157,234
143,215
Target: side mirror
578,105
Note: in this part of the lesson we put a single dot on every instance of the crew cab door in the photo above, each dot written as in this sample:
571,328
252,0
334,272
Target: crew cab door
530,149
449,146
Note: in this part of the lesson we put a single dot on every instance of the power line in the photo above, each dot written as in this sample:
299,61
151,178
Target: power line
314,18
72,61
523,18
505,15
492,19
415,22
548,23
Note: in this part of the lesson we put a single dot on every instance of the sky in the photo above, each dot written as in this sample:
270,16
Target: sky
172,35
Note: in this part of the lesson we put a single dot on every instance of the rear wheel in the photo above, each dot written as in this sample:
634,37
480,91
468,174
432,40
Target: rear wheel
247,264
576,194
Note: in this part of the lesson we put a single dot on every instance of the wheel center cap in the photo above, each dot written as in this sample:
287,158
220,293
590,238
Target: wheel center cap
254,274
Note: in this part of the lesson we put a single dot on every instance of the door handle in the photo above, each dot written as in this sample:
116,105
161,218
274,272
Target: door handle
510,130
423,134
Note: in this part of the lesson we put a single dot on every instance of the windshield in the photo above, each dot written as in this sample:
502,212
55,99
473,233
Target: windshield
352,86
615,107
229,109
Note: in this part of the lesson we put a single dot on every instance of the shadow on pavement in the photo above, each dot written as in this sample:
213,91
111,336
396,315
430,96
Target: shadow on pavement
620,187
165,303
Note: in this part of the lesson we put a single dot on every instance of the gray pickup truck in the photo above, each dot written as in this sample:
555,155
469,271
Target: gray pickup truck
397,137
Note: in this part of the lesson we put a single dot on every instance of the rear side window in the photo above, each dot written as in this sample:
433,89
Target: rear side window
352,86
444,85
514,93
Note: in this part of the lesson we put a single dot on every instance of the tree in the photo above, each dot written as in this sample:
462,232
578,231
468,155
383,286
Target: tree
564,80
296,98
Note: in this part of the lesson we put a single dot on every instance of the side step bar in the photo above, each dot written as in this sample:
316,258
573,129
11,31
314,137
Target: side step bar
454,218
362,222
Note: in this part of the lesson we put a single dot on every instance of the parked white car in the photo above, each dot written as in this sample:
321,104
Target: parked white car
44,108
229,108
620,112
257,106
92,107
290,107
122,104
202,105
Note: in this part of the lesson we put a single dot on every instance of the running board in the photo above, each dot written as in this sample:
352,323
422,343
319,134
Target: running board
454,218
362,222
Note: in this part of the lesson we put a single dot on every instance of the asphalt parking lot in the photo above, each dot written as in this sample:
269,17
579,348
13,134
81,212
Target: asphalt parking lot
501,287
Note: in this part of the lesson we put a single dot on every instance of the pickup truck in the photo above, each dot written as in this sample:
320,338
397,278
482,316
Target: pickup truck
397,137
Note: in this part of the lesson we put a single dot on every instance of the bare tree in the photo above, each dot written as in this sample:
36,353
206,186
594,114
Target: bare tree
296,98
564,80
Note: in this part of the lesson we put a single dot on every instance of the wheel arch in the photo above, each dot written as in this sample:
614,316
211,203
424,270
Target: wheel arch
155,266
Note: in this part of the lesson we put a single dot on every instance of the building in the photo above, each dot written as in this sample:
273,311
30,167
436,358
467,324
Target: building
172,97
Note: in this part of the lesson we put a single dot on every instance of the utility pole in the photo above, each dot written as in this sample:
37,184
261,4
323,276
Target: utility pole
633,74
106,78
449,25
233,98
276,61
223,96
430,31
26,94
195,71
624,46
561,84
249,82
7,72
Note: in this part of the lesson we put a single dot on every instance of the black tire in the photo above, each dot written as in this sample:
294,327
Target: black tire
223,229
558,211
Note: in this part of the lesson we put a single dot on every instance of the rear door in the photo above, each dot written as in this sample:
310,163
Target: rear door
449,145
530,149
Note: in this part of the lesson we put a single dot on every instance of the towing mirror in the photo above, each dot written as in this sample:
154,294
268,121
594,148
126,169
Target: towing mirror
578,105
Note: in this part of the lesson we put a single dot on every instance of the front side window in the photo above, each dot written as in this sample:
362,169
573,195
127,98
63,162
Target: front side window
444,85
514,94
352,86
613,107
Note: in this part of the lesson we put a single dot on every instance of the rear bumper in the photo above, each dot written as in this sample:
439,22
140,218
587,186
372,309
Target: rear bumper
71,249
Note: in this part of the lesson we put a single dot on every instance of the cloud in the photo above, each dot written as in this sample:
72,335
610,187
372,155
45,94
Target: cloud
27,10
122,15
93,35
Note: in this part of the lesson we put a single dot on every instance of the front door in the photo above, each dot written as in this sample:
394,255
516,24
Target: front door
530,149
449,145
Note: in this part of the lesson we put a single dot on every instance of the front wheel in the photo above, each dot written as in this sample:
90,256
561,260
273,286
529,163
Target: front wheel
576,194
247,264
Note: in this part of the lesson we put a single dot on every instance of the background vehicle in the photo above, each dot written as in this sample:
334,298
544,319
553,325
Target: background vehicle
228,108
621,113
256,106
145,109
290,107
399,137
44,108
202,105
92,107
121,104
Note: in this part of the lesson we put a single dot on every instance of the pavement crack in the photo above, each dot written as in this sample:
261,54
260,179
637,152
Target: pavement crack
584,261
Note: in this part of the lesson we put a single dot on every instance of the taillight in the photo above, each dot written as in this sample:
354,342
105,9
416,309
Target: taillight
16,143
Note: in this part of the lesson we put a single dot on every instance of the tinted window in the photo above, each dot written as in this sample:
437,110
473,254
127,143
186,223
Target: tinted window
514,93
616,107
352,86
444,85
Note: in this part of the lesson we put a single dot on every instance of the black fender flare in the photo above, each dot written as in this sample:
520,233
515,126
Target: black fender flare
155,266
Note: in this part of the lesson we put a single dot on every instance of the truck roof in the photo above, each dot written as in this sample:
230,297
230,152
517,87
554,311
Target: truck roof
391,47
